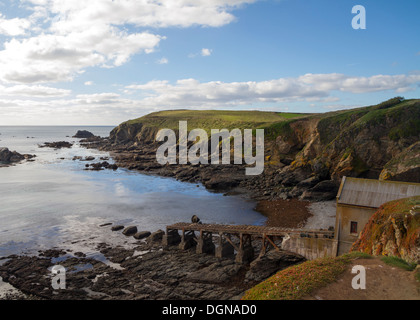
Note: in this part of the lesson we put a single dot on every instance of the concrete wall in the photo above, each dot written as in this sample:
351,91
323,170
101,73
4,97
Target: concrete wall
311,248
345,215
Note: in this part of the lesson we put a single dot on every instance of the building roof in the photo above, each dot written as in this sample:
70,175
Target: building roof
374,193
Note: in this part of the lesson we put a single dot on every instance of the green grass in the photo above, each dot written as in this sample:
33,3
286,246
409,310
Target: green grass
399,263
417,275
404,114
297,281
215,119
359,255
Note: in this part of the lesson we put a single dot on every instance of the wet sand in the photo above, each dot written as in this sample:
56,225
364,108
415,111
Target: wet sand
291,213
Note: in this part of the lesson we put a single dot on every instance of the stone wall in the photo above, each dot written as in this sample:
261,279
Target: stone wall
311,248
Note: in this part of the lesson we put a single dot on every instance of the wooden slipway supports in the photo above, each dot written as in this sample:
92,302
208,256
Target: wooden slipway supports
225,245
201,237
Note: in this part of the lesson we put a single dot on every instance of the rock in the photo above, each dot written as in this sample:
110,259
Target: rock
129,231
323,191
80,254
195,219
52,253
141,235
8,156
106,224
117,228
102,165
219,272
272,262
57,145
88,158
405,166
83,134
156,236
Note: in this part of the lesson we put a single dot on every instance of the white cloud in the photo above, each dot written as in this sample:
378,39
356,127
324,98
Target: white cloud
47,105
206,52
33,91
162,61
310,87
52,58
89,83
65,37
13,27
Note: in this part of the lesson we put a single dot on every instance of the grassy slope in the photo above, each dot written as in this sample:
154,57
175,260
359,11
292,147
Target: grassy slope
297,281
275,123
301,281
214,119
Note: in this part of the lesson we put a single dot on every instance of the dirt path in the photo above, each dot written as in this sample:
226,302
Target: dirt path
383,282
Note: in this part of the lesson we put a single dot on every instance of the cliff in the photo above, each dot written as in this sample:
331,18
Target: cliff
306,155
394,230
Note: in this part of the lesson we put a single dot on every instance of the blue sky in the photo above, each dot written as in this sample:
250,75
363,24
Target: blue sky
103,62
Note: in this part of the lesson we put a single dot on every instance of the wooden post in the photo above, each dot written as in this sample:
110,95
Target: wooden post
246,252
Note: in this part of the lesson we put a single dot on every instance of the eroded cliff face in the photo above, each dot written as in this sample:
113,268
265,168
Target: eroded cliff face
306,157
404,166
394,230
376,142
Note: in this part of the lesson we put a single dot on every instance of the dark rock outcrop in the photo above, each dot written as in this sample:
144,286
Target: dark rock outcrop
129,231
57,145
83,134
117,228
272,262
141,235
9,157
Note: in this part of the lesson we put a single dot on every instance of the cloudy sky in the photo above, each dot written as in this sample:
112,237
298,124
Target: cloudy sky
101,62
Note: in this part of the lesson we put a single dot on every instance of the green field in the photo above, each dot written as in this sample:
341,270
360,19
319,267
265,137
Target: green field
215,119
279,124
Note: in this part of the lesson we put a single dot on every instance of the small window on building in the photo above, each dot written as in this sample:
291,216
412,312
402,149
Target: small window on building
353,227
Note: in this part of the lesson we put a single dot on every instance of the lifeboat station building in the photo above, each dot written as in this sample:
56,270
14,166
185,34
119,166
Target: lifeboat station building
358,199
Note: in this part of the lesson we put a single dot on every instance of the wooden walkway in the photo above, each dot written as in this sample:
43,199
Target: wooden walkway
226,245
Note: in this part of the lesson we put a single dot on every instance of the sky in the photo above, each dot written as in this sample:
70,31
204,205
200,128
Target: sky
102,62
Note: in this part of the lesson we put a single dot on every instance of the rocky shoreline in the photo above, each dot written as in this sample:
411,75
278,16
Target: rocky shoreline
147,271
283,196
274,183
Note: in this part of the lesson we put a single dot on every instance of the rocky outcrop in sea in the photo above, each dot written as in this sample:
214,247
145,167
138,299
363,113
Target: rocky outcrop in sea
8,157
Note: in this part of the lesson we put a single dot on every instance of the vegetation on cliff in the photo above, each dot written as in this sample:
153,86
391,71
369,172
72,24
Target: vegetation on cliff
297,281
393,231
306,155
366,142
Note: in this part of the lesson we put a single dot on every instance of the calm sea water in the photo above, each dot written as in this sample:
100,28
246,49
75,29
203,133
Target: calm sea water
53,202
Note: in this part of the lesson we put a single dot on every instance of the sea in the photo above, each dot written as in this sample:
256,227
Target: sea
53,202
